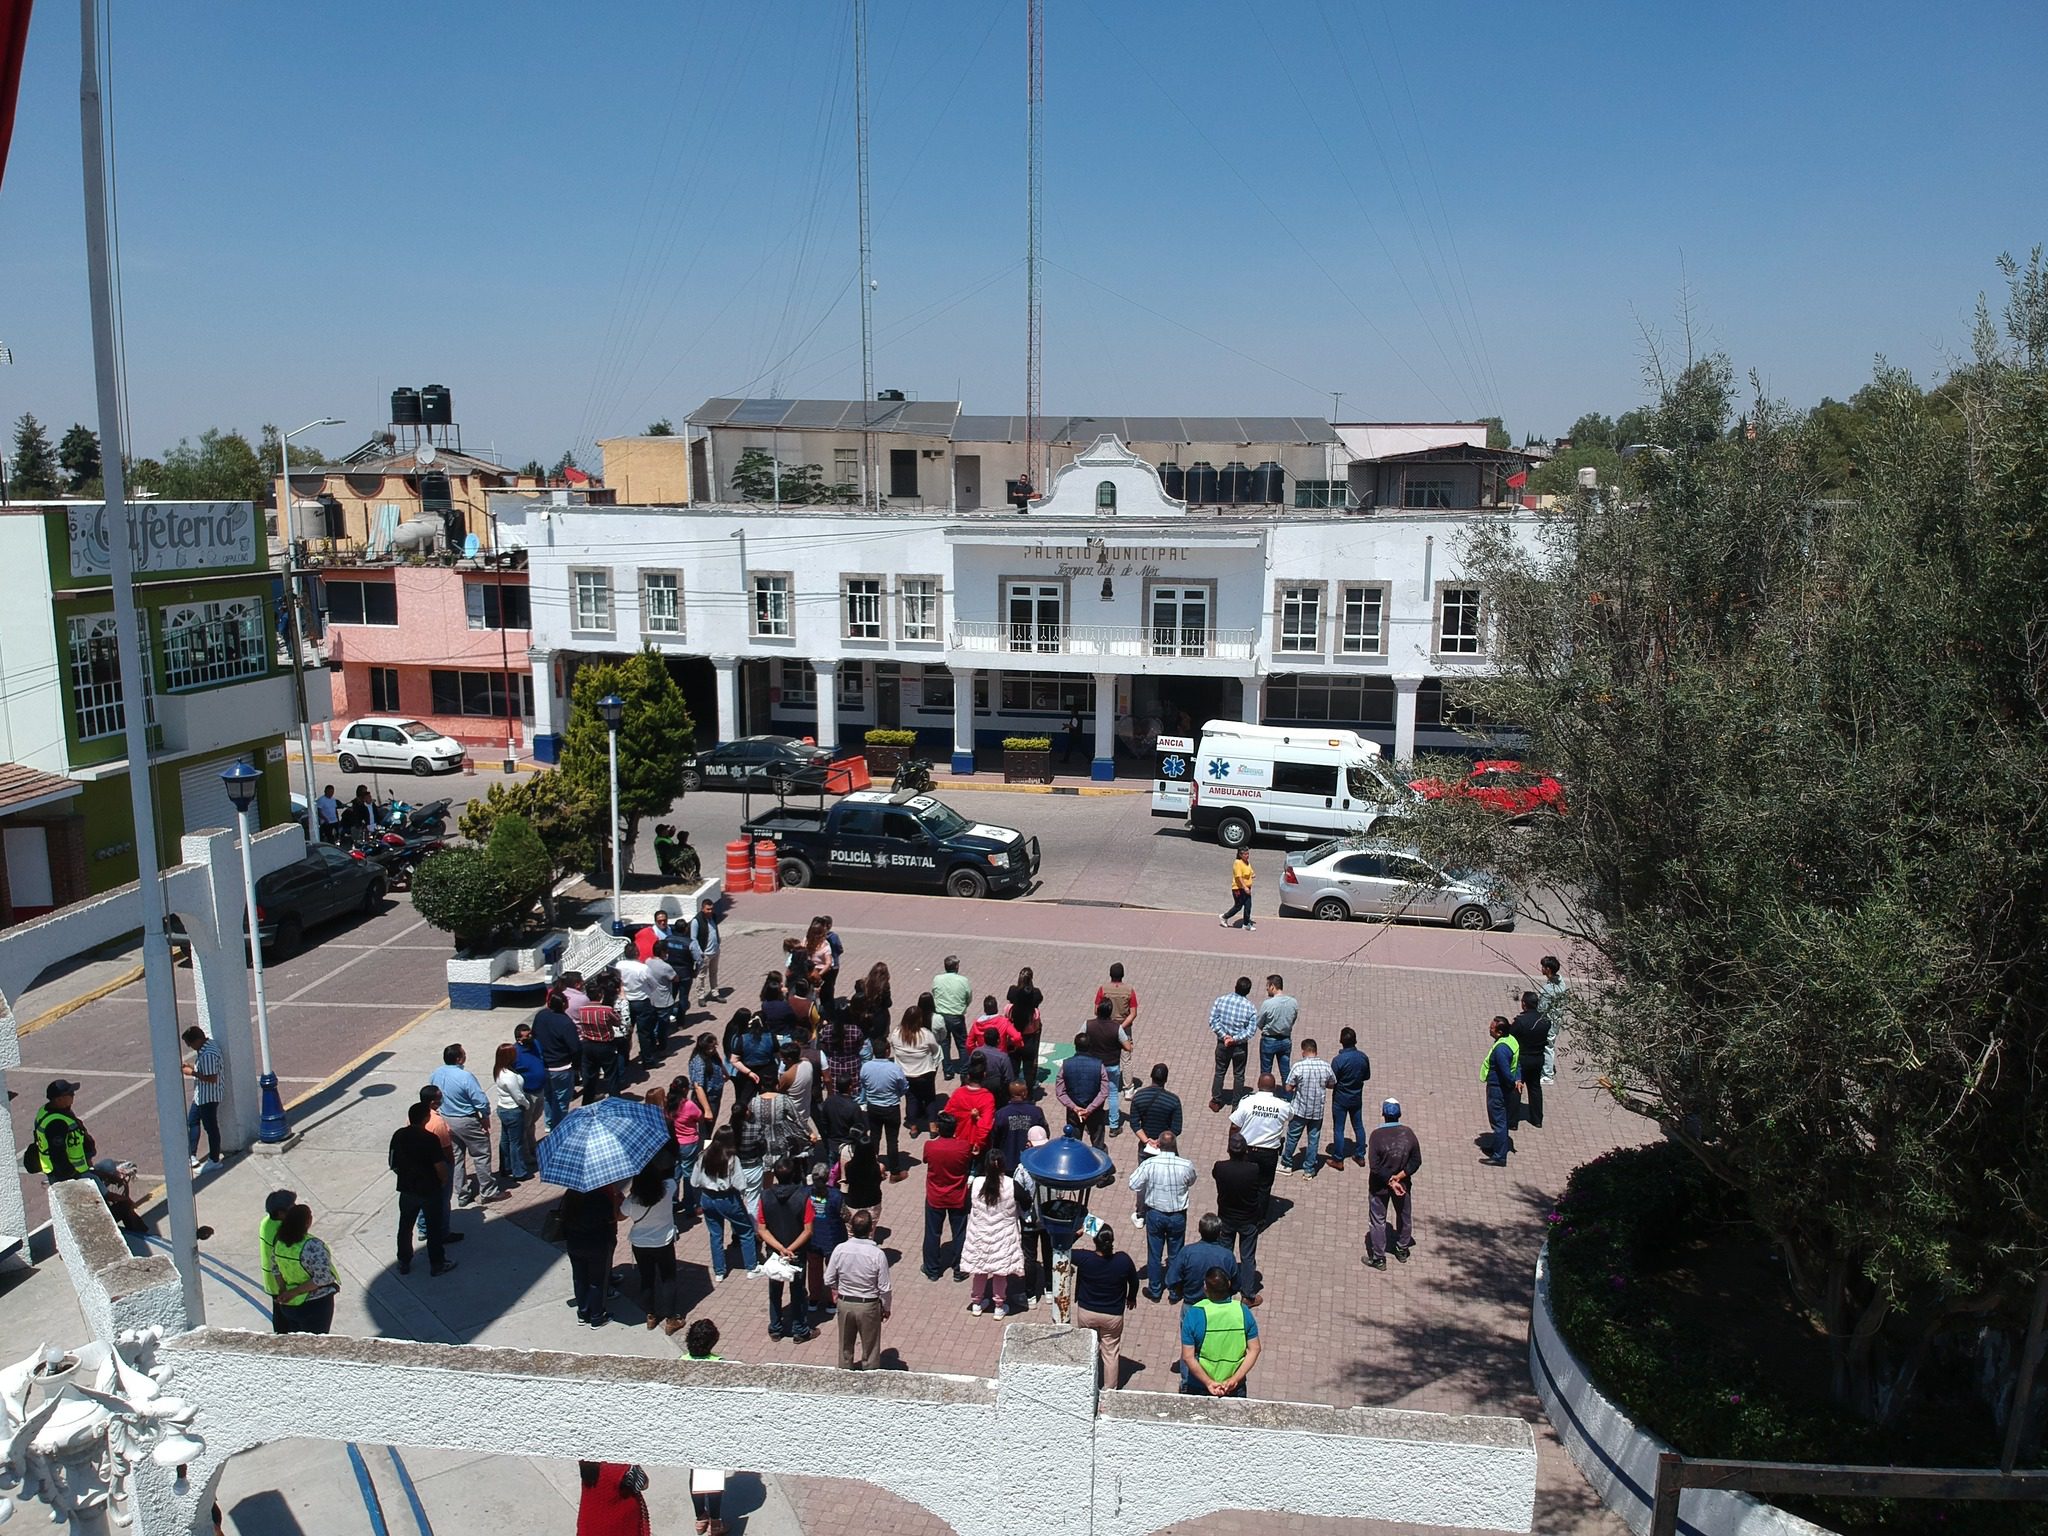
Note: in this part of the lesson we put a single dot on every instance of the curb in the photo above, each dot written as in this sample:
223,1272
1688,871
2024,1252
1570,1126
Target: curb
71,1005
939,781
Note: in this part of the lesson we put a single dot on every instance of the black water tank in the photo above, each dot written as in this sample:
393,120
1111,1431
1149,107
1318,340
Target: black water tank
1269,484
1173,479
454,527
405,407
437,406
1234,483
1201,481
434,495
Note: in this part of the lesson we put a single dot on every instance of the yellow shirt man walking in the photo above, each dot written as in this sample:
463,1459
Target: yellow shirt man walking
1240,892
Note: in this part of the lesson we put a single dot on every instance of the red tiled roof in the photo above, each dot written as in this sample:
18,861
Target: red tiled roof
21,786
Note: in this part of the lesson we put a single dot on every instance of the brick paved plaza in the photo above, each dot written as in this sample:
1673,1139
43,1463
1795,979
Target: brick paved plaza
1446,1332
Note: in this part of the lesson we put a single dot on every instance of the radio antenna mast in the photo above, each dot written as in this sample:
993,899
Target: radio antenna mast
1034,318
871,490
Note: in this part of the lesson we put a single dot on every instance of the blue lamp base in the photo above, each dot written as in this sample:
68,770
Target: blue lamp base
273,1127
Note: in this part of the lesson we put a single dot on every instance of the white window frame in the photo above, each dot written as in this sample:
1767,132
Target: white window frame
91,637
806,691
671,624
1357,639
1299,593
375,682
1470,639
767,626
911,593
1035,636
585,619
864,615
207,644
1179,639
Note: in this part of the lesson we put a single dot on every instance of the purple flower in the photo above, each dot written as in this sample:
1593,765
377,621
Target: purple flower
1617,1282
1735,1398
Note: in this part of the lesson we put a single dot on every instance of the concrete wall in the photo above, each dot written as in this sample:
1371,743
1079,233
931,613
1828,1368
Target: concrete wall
432,634
647,469
1620,1460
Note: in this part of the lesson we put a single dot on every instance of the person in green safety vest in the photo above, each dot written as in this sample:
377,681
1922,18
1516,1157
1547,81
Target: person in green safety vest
1503,1069
305,1272
276,1206
1219,1341
64,1150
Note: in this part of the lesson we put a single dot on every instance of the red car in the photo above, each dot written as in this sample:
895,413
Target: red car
1502,785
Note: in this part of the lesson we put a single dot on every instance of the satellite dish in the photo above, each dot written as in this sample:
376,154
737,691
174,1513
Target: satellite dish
424,454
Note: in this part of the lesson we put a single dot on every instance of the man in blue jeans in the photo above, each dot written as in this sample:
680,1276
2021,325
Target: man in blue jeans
1162,1182
1350,1070
1277,1015
554,1036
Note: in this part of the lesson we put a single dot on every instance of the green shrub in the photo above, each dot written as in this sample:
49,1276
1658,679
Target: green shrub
460,891
1027,743
883,736
520,859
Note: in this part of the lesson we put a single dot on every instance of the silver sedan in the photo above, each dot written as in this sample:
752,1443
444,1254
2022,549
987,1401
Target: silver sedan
1352,878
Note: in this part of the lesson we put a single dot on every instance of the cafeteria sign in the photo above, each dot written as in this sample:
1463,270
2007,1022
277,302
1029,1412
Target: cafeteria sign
167,536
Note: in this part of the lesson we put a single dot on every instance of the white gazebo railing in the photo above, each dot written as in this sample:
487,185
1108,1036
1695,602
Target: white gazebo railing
1132,641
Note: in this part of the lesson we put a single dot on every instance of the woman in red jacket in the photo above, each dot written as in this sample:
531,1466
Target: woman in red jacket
614,1500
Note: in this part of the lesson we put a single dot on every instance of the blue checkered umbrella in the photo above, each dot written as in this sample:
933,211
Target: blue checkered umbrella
602,1143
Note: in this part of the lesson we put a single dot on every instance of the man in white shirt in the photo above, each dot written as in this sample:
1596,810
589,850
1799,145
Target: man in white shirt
1261,1118
1162,1182
1308,1087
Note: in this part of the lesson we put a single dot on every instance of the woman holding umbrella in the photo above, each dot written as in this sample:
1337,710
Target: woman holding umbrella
592,1153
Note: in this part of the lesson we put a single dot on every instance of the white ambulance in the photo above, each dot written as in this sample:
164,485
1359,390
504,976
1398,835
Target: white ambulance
1238,781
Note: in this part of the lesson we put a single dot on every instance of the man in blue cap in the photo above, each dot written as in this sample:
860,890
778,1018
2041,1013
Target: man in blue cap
1392,1157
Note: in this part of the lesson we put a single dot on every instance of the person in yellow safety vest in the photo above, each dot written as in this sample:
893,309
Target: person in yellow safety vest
1219,1341
1502,1071
276,1206
305,1271
63,1148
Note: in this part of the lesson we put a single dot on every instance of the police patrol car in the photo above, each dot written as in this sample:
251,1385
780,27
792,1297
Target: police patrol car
896,841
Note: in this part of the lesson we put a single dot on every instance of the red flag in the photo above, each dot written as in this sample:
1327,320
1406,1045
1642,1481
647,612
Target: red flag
1517,481
13,39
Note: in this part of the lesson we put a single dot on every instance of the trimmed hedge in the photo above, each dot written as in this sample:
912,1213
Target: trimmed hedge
1624,1222
883,736
1027,743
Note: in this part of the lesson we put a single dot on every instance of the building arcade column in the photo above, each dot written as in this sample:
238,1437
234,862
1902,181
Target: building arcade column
827,686
963,719
1104,766
1252,709
1404,718
728,670
546,734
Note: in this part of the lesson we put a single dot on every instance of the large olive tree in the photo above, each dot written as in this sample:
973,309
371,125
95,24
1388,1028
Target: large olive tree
1805,748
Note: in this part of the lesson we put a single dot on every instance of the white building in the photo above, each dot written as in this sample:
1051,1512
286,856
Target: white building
1107,596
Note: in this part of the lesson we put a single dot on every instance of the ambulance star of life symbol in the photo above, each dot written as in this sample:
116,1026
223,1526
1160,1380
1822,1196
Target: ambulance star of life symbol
1218,768
1174,766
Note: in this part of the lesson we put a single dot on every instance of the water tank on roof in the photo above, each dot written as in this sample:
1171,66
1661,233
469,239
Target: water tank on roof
1269,484
434,495
405,407
1201,481
888,394
1173,479
1234,482
437,406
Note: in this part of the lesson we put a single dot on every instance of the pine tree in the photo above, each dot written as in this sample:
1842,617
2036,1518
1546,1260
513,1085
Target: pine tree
79,453
33,472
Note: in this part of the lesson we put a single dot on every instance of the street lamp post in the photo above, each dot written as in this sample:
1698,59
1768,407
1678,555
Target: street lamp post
612,707
241,781
292,595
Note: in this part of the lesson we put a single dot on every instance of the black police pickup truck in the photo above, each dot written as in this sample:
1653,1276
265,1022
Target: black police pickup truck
902,841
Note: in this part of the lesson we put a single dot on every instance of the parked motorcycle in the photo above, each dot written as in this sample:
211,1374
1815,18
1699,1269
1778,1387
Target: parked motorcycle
915,774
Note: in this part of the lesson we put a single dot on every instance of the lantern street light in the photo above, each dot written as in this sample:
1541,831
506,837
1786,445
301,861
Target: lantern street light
240,781
613,708
1064,1174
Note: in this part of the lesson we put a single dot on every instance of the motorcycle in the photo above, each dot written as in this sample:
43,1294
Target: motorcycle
914,774
429,820
398,854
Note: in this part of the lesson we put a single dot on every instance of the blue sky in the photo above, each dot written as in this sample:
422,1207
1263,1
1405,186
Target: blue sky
581,218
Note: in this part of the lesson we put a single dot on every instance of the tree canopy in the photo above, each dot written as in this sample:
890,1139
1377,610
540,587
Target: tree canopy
655,735
222,466
661,428
79,453
32,466
1803,739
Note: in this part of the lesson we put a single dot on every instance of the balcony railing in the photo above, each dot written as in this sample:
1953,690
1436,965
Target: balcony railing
1132,641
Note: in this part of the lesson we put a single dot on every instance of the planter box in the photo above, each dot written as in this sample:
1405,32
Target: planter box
1619,1459
1027,767
884,761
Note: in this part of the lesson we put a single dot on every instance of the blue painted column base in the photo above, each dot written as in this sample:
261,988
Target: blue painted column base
963,762
273,1126
1103,769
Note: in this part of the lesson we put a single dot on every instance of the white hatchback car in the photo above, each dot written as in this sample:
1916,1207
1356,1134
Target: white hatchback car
386,741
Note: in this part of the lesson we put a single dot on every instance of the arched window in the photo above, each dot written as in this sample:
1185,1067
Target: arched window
1105,496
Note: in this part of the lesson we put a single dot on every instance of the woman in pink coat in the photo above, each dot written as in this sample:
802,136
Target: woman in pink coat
993,1250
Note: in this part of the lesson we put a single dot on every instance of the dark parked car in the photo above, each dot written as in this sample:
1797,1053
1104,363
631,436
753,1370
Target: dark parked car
779,763
327,883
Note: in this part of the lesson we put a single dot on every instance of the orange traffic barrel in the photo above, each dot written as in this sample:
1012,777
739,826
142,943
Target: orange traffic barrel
764,866
738,875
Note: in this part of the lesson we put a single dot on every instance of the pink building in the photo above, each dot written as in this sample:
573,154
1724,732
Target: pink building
445,644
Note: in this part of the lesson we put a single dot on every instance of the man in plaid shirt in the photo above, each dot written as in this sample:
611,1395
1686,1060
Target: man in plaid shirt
1308,1086
1233,1021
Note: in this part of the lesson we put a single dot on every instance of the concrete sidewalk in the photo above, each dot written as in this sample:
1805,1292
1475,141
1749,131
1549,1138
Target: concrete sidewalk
509,1288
